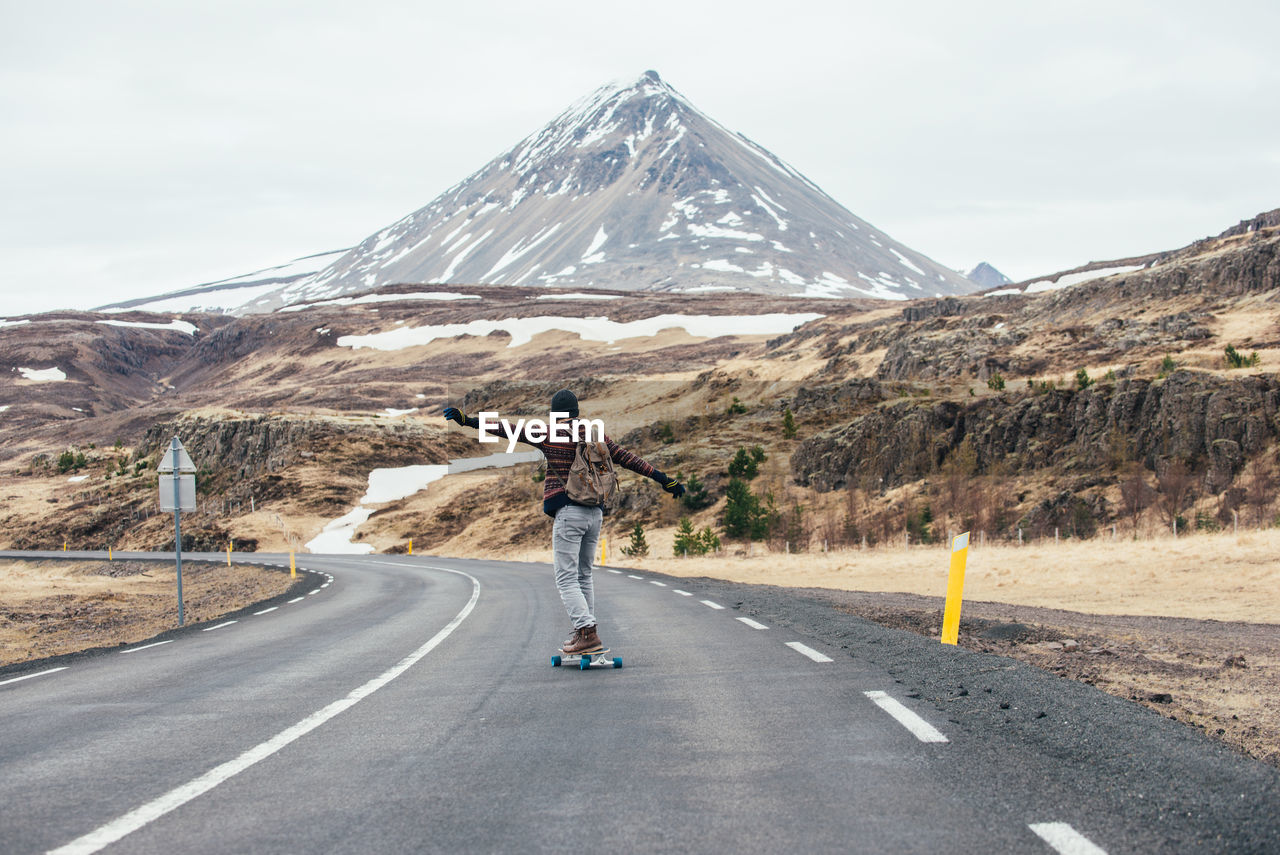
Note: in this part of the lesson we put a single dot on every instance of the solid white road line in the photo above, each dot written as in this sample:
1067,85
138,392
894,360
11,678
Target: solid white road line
919,728
656,582
295,600
29,676
264,611
219,626
682,593
140,816
1066,839
808,651
712,605
629,576
753,624
147,646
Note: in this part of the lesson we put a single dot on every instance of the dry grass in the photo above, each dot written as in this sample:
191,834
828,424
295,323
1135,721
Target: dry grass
57,607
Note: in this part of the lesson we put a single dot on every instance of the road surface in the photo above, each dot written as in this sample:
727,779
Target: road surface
408,704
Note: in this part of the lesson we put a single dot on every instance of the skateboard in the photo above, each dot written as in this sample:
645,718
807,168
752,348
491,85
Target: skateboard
586,660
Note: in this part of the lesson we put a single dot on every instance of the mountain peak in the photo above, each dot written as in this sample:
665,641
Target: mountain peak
987,276
633,187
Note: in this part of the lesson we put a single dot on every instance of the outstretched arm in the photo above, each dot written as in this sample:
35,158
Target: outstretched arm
632,461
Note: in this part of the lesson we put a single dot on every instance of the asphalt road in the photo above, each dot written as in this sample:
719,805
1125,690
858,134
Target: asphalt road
408,704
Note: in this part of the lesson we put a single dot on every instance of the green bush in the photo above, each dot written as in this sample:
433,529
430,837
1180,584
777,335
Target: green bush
744,465
737,408
788,424
1083,381
1239,360
666,434
66,462
695,496
995,382
1168,365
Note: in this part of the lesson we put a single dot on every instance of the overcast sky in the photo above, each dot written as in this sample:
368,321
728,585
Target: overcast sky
149,146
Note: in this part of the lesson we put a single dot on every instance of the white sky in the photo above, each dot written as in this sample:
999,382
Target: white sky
148,146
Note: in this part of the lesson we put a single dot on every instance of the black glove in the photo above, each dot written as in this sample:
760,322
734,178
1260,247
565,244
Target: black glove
674,487
456,415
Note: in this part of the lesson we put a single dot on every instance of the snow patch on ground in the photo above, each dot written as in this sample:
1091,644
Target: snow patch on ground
76,479
395,414
43,375
392,485
214,301
522,330
382,298
1002,292
576,296
4,323
175,324
1076,278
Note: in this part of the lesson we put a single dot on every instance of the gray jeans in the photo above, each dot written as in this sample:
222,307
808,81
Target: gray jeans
575,536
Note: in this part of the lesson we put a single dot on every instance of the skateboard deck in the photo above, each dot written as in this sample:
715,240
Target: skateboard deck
586,660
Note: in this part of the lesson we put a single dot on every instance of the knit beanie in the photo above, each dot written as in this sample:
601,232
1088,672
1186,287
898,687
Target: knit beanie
565,401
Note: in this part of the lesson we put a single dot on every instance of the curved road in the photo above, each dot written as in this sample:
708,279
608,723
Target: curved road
407,704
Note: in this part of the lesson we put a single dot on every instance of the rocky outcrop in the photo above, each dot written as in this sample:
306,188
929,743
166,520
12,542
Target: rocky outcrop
1210,422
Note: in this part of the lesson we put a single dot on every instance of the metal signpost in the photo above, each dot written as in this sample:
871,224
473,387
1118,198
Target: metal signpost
177,494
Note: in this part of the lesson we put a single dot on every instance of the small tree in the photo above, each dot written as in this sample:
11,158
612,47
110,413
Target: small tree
788,424
666,434
744,465
737,408
686,542
745,518
695,496
1083,381
996,383
1236,359
1168,365
1174,486
66,461
638,546
708,541
1135,494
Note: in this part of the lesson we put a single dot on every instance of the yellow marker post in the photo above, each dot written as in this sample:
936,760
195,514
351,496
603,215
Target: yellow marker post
604,549
411,546
293,568
110,557
64,546
228,555
955,589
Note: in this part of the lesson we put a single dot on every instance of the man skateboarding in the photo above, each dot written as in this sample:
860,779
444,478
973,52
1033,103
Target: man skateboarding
576,529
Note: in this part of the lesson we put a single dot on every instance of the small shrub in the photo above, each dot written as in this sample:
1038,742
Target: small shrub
695,496
1236,359
66,461
744,465
788,424
1168,365
1083,381
737,408
666,434
996,382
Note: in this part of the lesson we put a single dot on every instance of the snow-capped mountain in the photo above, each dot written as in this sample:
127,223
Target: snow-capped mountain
987,276
634,188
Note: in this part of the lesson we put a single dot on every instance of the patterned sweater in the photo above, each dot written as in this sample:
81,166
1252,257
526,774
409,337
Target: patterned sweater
559,457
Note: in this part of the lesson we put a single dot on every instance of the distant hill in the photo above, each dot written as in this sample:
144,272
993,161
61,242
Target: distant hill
987,276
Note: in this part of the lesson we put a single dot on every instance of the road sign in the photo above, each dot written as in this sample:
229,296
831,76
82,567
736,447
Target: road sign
181,462
186,492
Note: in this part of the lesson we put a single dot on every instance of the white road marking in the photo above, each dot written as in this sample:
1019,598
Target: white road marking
326,584
712,605
1066,839
295,600
29,676
140,816
629,576
264,611
808,651
615,572
310,593
682,593
919,728
219,626
147,646
753,624
656,582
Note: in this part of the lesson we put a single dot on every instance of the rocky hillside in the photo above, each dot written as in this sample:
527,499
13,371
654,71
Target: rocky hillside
1049,405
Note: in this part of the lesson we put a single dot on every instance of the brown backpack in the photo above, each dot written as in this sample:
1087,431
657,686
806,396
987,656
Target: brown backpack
592,479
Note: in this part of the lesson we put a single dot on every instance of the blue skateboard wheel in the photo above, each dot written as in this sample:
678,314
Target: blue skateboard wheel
584,663
617,662
555,661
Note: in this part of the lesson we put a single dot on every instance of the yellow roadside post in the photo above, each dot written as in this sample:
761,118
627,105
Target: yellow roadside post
604,549
293,568
64,546
110,557
411,546
228,554
955,589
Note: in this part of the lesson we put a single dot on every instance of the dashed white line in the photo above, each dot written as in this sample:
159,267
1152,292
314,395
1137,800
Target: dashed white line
264,611
629,576
682,593
808,651
751,623
656,582
29,676
615,572
296,600
139,817
1066,839
312,593
919,728
219,626
712,605
326,584
147,646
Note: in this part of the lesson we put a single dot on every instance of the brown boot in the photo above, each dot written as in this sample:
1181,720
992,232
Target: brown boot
588,641
571,641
